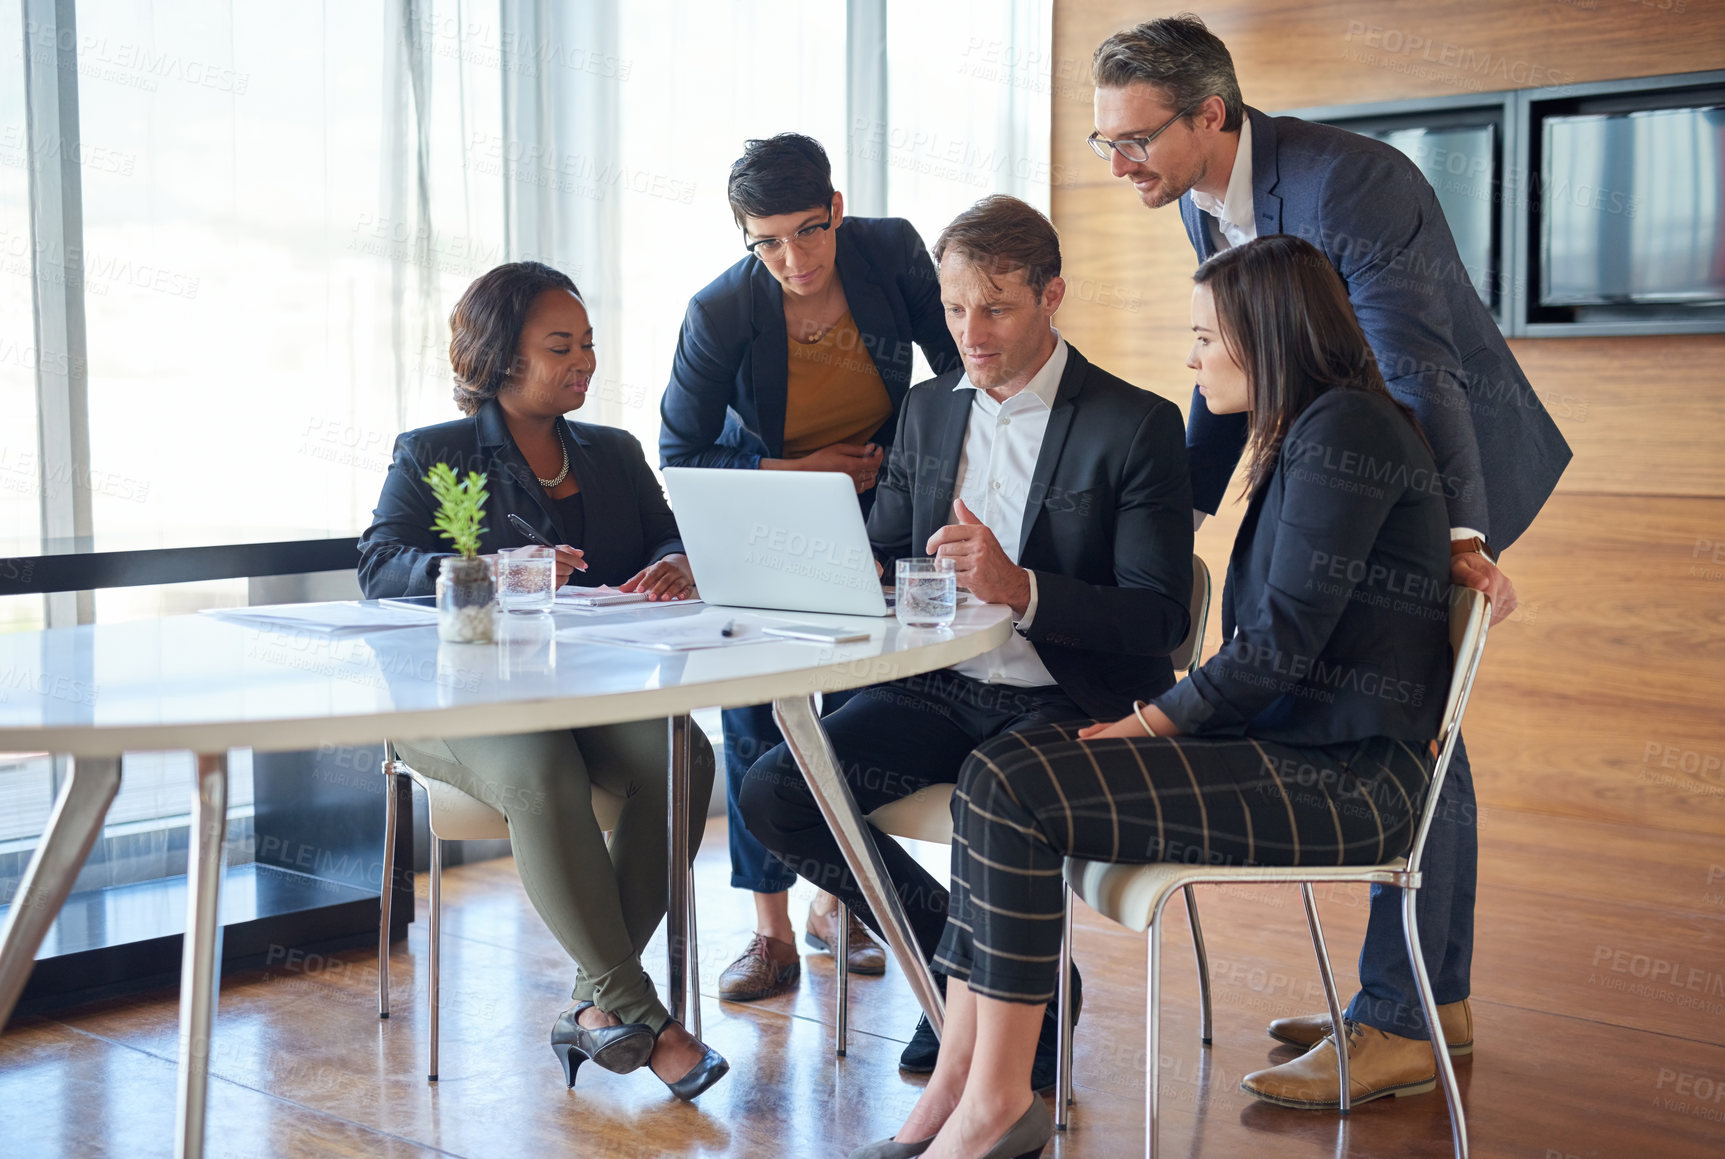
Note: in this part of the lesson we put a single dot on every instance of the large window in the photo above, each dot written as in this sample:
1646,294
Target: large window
246,265
772,67
20,504
281,204
968,106
968,110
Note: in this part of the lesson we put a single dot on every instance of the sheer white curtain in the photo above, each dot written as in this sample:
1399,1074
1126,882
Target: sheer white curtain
564,85
20,503
703,79
969,106
278,211
283,203
656,97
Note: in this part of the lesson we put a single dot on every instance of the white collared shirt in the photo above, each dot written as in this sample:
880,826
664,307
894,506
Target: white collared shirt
1234,218
1234,214
1002,441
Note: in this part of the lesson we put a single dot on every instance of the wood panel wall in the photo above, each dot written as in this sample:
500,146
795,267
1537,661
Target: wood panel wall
1604,697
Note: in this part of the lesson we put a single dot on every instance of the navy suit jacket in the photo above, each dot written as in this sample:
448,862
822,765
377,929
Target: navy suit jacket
1373,214
725,405
1107,529
1335,613
628,522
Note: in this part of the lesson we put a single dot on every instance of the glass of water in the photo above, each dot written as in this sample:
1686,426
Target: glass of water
526,579
927,593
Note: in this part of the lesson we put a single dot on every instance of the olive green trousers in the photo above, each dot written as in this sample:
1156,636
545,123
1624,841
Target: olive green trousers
602,902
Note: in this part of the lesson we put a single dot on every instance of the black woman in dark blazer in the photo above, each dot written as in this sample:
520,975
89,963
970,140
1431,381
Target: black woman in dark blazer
1306,740
797,358
522,352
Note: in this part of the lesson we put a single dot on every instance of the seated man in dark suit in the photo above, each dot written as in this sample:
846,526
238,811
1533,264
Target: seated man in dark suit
1056,489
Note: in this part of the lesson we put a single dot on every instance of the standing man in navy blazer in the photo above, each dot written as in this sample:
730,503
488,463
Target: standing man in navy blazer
1169,118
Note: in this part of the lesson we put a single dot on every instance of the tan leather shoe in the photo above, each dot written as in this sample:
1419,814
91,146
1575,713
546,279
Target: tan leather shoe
1456,1019
822,932
767,968
1379,1064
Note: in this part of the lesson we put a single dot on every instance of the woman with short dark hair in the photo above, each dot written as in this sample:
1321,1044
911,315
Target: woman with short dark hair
522,350
1306,740
797,358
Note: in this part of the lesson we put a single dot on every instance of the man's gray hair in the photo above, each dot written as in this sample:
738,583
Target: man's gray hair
1178,55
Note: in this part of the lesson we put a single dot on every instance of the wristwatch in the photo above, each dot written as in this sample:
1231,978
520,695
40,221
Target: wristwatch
1471,543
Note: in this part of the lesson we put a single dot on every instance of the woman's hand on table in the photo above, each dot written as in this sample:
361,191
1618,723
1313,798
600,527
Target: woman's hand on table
667,579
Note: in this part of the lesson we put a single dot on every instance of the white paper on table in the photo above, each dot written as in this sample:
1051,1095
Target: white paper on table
704,629
333,617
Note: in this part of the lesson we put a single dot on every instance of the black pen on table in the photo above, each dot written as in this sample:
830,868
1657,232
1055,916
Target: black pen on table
729,630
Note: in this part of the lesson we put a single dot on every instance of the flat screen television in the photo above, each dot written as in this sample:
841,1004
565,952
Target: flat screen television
1461,164
1632,208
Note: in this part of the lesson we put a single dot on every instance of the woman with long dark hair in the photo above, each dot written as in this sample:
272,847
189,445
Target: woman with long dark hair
522,351
1306,740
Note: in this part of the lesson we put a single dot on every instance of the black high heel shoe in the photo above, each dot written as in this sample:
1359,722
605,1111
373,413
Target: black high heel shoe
616,1048
702,1075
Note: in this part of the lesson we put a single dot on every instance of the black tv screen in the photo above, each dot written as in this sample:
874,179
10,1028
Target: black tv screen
1461,164
1632,208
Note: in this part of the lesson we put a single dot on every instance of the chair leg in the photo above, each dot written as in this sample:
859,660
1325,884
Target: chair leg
389,819
1428,1003
1063,1019
841,963
1153,1037
1205,1026
694,1027
1338,1028
432,989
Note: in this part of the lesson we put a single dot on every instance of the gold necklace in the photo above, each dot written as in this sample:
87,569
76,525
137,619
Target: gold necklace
561,475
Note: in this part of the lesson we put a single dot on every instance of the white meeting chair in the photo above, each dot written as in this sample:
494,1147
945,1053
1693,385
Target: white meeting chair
455,816
1134,895
926,815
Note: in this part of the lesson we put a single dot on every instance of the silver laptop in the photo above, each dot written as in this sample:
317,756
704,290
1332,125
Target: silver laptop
790,541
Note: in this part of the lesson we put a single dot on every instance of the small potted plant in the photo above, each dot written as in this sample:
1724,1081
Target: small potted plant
465,593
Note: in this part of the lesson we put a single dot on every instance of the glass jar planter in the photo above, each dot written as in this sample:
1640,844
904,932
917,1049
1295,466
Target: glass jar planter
466,610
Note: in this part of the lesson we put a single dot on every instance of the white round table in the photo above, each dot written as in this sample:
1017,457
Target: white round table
208,684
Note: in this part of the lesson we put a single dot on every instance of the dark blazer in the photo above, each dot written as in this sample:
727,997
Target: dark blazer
725,405
1335,614
628,523
1373,214
1108,529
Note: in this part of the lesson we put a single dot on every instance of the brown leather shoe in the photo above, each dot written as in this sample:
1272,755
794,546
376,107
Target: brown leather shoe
767,968
1379,1064
1456,1019
822,932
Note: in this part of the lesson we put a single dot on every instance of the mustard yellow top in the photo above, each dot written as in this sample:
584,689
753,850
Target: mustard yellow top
834,394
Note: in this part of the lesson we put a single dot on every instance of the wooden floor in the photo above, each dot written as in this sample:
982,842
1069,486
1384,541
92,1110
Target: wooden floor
1599,997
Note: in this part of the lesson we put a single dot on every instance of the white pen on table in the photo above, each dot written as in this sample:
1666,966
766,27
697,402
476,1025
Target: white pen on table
729,630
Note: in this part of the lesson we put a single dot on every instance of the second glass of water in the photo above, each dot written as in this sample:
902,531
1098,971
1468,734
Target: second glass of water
927,594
